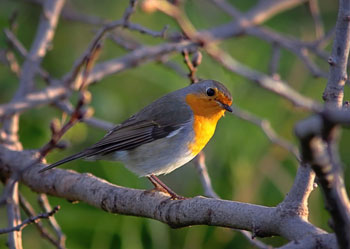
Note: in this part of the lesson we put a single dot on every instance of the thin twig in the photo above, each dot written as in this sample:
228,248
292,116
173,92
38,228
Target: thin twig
29,220
254,241
267,129
68,108
316,16
273,85
192,64
29,210
274,61
78,113
128,12
43,37
204,176
297,47
45,205
227,61
18,46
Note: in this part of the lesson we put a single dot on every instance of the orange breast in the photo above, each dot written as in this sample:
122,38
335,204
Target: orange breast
206,115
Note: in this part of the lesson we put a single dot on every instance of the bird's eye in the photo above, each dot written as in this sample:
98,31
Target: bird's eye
210,91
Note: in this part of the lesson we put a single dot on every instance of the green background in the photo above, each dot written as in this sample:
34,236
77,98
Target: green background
243,164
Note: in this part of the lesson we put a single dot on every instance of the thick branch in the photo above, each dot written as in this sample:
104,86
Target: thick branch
316,151
13,215
263,221
297,198
312,242
334,92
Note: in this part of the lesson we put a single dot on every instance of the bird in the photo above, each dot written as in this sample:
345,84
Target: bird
164,135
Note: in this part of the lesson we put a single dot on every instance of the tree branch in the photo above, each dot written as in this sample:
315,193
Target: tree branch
312,133
13,214
29,210
338,61
263,221
29,220
43,37
265,126
45,205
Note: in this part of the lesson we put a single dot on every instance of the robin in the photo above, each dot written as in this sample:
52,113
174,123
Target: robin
164,135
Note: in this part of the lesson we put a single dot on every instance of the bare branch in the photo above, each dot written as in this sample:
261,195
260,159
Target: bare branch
204,176
299,48
311,133
15,42
297,199
41,43
288,219
43,37
254,241
192,64
35,99
13,214
144,54
261,220
45,205
135,58
98,123
274,61
29,220
129,11
334,92
261,12
8,58
18,46
316,15
275,86
312,242
295,46
57,132
267,129
29,210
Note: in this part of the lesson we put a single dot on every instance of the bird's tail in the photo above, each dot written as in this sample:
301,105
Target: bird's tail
65,160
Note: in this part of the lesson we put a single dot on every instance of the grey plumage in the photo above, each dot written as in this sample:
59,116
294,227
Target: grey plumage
154,123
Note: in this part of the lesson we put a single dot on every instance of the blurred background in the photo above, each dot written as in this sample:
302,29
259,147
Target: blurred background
243,164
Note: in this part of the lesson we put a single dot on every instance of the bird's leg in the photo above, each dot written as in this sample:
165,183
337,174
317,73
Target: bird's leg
160,186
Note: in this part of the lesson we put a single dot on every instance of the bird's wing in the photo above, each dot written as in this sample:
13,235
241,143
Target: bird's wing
130,136
144,127
155,121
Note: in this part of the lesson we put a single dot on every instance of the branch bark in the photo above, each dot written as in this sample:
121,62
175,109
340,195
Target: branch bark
320,155
288,219
262,221
43,37
338,61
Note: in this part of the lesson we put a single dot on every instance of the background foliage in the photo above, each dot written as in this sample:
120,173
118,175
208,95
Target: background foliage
242,163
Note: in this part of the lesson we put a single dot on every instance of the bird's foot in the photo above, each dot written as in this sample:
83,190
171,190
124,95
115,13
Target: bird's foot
160,186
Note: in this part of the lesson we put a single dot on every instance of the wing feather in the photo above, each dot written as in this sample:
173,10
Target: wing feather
152,123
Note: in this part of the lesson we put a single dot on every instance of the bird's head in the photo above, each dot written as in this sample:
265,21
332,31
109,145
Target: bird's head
208,98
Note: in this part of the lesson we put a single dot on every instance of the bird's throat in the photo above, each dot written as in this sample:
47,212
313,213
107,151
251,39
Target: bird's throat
206,115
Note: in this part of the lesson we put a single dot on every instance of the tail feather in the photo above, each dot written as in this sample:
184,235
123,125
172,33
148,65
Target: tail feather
65,160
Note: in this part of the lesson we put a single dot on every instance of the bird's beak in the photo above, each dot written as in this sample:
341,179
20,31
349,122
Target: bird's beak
226,107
